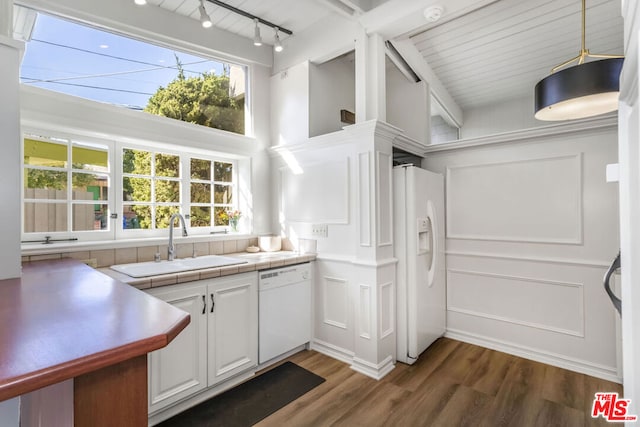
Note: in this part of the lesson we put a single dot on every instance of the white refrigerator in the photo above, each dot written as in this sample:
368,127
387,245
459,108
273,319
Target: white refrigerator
419,248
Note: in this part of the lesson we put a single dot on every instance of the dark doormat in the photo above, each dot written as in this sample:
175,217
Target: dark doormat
251,401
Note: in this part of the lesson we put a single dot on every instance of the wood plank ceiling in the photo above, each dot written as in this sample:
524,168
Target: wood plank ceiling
295,15
493,54
501,51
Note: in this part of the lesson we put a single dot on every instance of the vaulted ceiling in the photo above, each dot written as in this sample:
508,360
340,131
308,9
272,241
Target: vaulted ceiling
485,52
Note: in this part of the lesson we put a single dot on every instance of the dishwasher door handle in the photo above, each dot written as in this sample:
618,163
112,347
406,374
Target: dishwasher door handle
617,302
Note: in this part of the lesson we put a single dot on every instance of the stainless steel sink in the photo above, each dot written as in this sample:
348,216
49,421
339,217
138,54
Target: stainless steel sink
151,268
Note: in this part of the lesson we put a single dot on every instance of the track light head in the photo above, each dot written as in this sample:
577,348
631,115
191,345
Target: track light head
205,20
257,39
140,2
277,46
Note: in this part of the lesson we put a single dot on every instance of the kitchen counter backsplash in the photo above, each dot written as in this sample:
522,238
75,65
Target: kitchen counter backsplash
108,257
255,261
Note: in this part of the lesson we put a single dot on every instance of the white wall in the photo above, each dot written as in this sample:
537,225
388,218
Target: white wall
508,116
10,159
262,193
290,105
332,87
441,131
407,104
531,228
327,38
343,180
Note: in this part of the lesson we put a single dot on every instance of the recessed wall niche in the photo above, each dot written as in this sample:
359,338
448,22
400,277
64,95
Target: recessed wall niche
332,87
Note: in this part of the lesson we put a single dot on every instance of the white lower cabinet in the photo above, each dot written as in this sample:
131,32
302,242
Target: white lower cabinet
233,327
220,342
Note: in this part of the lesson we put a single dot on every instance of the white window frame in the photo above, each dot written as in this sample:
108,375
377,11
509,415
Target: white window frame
185,188
115,203
234,191
68,139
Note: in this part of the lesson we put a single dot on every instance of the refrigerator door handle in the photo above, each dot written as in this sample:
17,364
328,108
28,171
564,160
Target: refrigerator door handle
617,303
431,216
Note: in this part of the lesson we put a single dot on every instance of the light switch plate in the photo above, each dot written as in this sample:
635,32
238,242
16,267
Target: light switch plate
319,230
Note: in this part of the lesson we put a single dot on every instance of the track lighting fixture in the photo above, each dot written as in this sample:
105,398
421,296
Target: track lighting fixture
205,20
277,46
257,39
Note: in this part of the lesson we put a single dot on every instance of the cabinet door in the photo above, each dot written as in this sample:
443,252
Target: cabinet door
180,369
233,326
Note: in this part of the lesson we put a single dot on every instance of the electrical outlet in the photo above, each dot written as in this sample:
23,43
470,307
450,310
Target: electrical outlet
319,230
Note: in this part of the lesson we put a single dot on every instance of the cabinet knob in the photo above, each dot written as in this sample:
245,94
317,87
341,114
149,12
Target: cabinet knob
204,304
213,303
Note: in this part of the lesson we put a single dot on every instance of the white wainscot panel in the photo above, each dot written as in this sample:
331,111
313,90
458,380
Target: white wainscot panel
533,200
320,193
387,312
365,311
544,304
335,292
364,186
384,200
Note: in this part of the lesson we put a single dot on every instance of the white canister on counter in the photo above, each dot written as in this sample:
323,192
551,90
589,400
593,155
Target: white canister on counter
270,243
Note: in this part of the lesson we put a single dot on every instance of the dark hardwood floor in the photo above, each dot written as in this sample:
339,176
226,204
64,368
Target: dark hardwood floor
452,384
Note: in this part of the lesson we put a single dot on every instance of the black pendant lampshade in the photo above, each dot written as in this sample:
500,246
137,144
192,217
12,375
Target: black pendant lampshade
580,91
584,90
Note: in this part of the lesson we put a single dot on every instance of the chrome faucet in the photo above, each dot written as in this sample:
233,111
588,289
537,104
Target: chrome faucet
171,250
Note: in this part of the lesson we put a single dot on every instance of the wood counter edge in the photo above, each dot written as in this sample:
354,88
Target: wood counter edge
51,375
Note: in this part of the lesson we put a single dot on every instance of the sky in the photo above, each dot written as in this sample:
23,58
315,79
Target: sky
99,65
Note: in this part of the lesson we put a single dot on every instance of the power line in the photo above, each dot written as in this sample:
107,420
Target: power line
91,76
88,86
119,57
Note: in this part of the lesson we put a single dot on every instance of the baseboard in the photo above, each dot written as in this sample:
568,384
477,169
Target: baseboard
333,351
561,361
375,371
280,358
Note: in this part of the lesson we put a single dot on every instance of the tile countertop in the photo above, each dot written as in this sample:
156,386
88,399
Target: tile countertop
256,261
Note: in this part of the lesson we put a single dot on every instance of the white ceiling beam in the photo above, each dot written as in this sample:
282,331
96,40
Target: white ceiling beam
331,36
416,61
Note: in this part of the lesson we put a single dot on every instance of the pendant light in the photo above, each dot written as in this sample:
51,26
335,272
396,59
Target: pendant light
583,90
140,2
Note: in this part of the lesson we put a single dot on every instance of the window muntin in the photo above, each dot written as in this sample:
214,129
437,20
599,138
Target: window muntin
66,186
151,183
71,186
211,192
87,62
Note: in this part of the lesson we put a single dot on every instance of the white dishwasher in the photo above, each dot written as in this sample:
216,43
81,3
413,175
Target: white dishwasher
284,310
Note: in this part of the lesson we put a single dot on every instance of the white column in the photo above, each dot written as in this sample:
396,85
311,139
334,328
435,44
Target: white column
10,54
6,18
371,103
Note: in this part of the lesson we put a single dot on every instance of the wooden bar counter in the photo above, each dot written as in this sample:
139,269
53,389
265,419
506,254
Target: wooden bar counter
64,320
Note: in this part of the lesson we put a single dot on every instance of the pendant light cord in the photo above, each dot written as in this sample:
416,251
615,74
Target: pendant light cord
584,52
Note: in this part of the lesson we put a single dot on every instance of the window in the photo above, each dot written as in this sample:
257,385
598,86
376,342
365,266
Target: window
69,189
83,61
211,190
151,184
66,186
